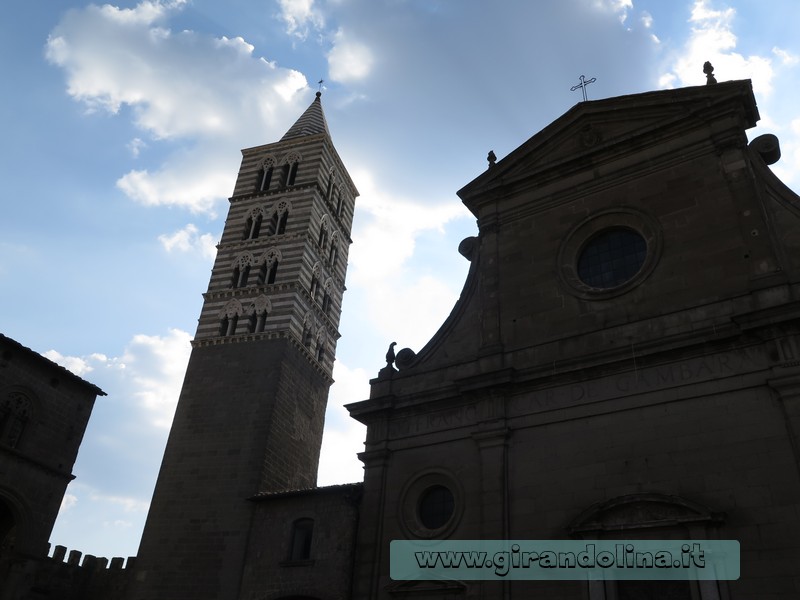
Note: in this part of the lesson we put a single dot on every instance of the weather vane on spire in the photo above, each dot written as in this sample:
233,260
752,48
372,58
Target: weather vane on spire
319,83
582,85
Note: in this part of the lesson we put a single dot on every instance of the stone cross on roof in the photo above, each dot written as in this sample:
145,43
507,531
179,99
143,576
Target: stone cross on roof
582,85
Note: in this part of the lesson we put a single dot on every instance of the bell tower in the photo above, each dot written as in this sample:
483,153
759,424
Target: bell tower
251,411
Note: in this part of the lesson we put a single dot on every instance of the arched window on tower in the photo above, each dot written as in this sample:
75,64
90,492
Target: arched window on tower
240,276
272,272
339,203
264,175
315,281
320,350
279,218
227,325
273,224
293,173
300,544
333,255
307,335
229,317
289,171
269,266
322,239
259,310
268,272
252,226
265,178
326,302
327,297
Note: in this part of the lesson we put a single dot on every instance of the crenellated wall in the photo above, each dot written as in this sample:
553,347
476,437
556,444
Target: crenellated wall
65,576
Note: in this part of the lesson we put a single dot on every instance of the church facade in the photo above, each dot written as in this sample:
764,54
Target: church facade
623,363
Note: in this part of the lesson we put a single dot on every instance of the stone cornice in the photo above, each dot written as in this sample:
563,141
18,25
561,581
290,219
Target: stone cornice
266,335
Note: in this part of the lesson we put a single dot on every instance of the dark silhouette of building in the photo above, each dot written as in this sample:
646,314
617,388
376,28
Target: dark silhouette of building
44,410
250,416
623,363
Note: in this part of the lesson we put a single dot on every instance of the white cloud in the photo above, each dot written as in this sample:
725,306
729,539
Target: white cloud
712,39
128,504
788,167
156,366
349,60
150,370
135,146
787,58
75,364
387,239
344,437
621,7
211,92
189,239
68,501
299,15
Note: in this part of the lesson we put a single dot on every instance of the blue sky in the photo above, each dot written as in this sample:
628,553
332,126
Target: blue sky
122,126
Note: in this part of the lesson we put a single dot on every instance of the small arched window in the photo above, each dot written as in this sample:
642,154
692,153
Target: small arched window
289,171
292,173
265,172
339,203
302,533
322,239
307,337
227,325
236,275
334,252
257,322
273,224
326,302
258,311
272,271
241,270
282,222
265,178
252,226
320,351
229,317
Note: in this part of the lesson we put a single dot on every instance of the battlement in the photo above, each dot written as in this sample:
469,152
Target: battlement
90,562
68,576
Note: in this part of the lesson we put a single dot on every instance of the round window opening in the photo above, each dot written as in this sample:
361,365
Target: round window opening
436,507
612,258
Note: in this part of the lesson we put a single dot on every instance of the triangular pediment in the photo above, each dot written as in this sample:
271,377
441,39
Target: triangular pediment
596,131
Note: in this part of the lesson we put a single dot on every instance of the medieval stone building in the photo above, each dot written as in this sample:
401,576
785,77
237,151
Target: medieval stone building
44,410
623,363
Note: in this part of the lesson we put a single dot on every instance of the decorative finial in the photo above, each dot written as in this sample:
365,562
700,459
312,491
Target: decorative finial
491,158
708,69
582,85
390,354
319,83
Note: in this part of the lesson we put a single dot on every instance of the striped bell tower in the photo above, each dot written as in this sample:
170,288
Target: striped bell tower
251,411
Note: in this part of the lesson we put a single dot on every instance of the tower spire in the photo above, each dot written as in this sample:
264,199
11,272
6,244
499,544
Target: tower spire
311,122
